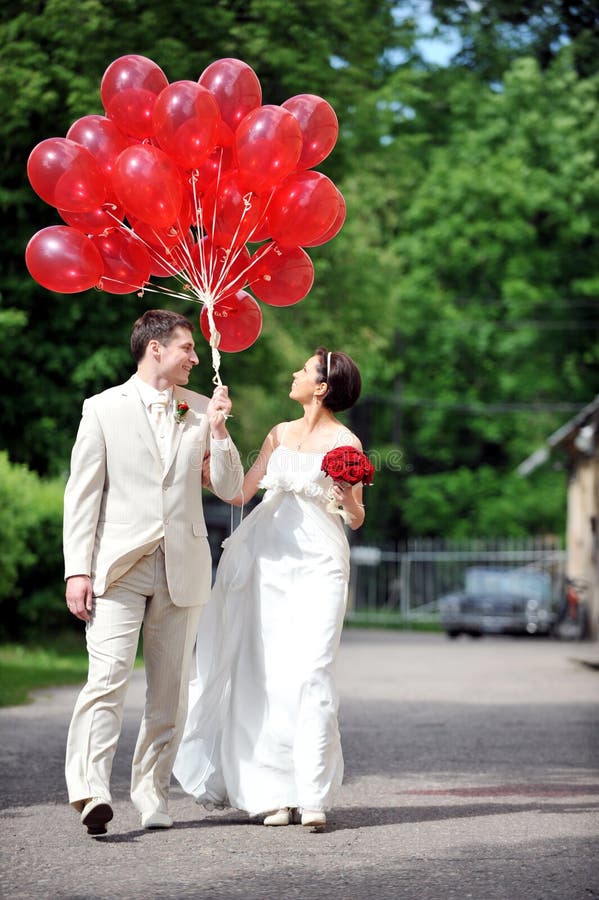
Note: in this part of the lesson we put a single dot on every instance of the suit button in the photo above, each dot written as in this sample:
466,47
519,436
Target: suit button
166,521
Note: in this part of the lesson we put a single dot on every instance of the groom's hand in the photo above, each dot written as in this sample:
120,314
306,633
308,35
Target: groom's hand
206,471
219,407
79,596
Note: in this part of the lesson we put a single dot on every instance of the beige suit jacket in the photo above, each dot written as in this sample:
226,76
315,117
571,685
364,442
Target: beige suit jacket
120,501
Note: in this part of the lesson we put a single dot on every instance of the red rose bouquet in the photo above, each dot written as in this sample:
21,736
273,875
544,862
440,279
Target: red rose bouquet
349,465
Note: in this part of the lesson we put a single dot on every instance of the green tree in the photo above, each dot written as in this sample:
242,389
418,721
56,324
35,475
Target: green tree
505,29
496,274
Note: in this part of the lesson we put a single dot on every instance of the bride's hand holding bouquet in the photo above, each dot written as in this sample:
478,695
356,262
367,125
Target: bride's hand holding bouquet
346,466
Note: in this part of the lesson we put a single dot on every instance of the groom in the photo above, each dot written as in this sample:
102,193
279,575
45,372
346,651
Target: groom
136,553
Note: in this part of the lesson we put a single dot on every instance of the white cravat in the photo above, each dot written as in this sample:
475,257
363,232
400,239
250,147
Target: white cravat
160,422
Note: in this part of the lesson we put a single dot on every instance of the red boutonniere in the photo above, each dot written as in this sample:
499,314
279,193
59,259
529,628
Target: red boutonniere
349,465
182,408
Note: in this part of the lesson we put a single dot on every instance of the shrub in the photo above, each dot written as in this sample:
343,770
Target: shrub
31,568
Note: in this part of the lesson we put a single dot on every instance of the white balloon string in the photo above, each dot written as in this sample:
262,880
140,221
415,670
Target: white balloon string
263,216
199,221
268,248
151,288
152,249
214,339
232,252
213,229
195,279
203,277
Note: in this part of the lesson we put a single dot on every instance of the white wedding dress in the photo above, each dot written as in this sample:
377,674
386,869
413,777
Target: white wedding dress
261,730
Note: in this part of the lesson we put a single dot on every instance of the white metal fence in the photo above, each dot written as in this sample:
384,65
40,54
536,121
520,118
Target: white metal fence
403,584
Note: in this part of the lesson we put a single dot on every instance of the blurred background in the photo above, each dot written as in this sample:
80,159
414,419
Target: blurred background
465,281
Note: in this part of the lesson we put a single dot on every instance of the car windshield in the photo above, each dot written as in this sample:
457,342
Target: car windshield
536,585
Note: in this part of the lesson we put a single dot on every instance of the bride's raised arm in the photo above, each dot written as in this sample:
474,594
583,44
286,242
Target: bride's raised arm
256,473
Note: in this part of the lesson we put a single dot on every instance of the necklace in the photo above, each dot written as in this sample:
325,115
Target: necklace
312,433
306,437
300,443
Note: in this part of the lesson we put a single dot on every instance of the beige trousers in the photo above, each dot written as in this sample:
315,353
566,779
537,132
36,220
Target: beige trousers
140,597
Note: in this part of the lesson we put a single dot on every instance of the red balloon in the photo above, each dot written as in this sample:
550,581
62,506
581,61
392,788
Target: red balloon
219,271
230,213
66,175
224,134
187,213
268,144
261,232
186,118
238,320
101,137
129,89
214,167
161,238
169,261
335,228
63,259
127,263
97,220
235,86
281,276
303,207
318,124
149,185
165,265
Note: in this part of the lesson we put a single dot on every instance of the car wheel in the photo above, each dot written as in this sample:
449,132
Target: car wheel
453,633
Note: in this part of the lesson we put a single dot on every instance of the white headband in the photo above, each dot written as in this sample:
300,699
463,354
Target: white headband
328,362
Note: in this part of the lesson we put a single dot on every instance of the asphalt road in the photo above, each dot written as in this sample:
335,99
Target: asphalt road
472,771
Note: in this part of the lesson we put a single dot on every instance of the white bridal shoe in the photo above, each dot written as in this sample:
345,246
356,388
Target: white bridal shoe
313,818
156,820
280,817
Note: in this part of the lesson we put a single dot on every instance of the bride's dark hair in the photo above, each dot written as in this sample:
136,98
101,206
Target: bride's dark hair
342,379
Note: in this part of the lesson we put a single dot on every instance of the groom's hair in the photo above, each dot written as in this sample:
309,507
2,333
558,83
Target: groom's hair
155,324
342,378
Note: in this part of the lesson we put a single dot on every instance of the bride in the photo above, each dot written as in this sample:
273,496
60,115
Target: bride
261,732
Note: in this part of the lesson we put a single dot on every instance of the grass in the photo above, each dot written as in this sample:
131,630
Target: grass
370,619
25,668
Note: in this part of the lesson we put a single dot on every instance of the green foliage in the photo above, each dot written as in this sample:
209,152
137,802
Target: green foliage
496,264
495,31
17,517
31,585
483,502
24,669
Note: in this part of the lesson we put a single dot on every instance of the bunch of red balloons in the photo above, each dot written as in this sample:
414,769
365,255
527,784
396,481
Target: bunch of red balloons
176,180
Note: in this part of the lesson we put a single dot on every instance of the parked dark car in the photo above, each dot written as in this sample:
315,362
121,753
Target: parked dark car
499,601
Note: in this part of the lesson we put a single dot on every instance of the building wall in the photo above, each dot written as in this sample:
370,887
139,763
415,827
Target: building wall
582,538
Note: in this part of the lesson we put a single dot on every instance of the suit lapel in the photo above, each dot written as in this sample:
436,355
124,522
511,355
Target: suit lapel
140,419
177,434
